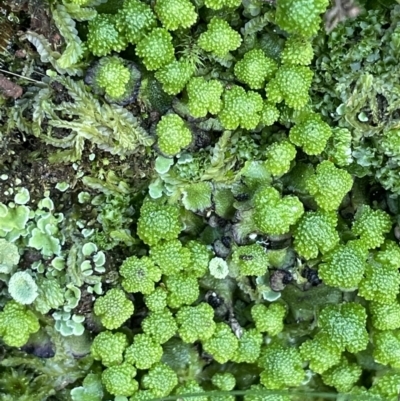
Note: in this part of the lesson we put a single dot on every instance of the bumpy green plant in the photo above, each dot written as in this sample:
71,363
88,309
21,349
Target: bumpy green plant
222,344
156,49
219,38
345,266
279,157
380,283
161,326
300,17
312,134
160,379
173,135
175,76
139,274
158,221
17,323
113,77
103,37
190,318
352,318
343,376
218,4
249,348
269,320
329,185
273,214
175,14
282,367
255,68
171,257
320,353
204,96
134,19
316,232
113,309
109,347
385,316
269,114
251,200
240,108
371,226
297,51
252,260
118,380
183,289
144,352
291,84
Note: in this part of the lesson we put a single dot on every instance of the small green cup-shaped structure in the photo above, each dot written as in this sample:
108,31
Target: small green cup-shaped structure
156,49
218,268
22,287
219,38
173,134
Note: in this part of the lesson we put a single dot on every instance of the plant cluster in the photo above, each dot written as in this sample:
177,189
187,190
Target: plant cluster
226,220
